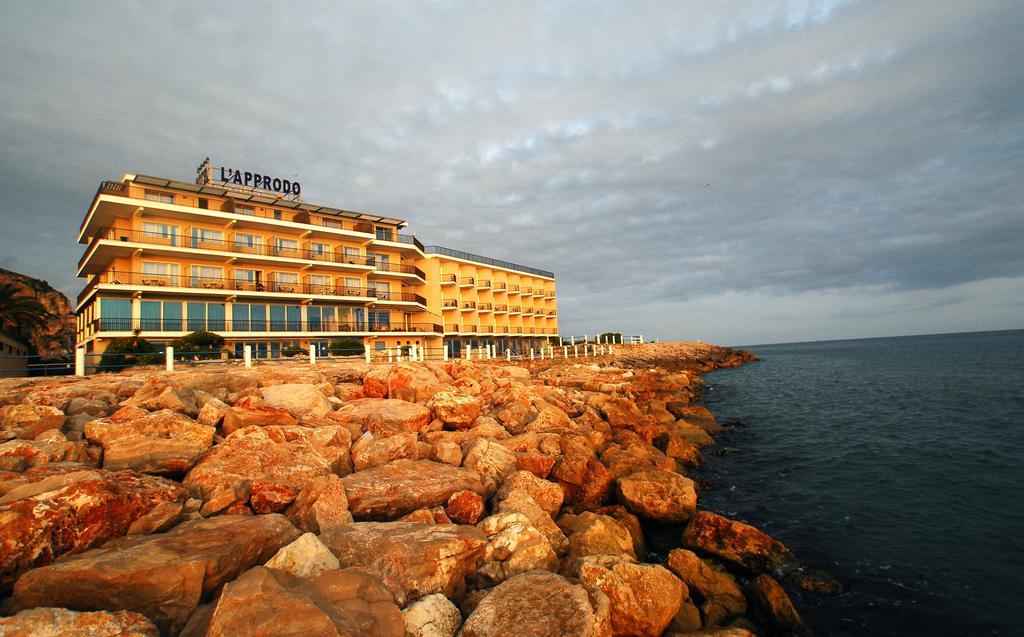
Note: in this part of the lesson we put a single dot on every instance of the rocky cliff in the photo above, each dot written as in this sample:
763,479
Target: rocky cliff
57,334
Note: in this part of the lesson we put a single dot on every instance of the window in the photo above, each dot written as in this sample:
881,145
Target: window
286,247
277,214
155,273
159,232
384,234
380,289
285,318
162,197
380,261
207,276
319,284
380,321
318,250
331,223
352,287
245,210
205,316
247,242
204,203
115,314
201,237
320,319
379,346
286,281
352,255
161,315
247,279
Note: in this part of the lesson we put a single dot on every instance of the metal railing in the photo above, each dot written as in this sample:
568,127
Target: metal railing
483,283
449,278
484,307
449,303
260,326
469,305
501,308
469,256
467,280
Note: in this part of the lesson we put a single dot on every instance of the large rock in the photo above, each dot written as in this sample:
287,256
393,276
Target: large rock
321,505
432,616
298,399
621,412
585,481
663,496
28,421
546,494
519,501
456,409
700,416
414,558
400,487
265,602
735,542
593,534
304,557
719,595
53,513
643,597
163,576
369,451
255,415
383,416
772,607
539,604
163,442
289,456
492,461
514,546
414,383
52,622
156,393
49,446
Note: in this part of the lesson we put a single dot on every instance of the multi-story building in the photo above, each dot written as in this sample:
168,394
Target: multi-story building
168,257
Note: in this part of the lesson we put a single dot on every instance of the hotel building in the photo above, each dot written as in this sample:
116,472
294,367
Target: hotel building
168,257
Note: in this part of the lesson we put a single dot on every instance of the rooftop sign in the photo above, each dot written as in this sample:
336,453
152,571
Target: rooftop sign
246,181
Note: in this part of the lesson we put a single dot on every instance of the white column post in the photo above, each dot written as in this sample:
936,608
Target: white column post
469,352
391,355
531,353
312,354
572,340
551,352
641,339
169,358
247,356
565,351
412,353
610,352
508,355
586,339
575,351
79,361
445,354
366,352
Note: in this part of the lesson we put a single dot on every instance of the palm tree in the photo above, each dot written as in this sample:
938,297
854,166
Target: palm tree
19,310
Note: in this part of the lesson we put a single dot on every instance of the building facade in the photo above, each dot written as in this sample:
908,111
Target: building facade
166,258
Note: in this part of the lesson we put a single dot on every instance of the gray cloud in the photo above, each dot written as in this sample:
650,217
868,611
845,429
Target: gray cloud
669,162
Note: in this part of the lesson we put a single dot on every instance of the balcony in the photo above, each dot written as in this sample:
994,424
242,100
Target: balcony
449,279
485,307
500,287
386,297
467,282
501,309
515,309
503,329
382,267
513,289
468,329
483,284
173,244
468,306
276,328
517,330
390,236
527,291
451,328
549,294
449,304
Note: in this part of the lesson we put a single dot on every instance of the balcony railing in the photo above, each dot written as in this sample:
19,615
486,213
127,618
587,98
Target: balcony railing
296,325
500,287
483,284
448,278
501,308
468,328
387,266
513,289
449,303
238,247
485,307
527,291
469,305
467,281
451,327
517,330
515,309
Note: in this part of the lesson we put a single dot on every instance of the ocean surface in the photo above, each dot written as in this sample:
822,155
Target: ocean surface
896,464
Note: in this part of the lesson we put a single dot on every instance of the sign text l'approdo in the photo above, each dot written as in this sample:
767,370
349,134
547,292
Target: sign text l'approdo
256,180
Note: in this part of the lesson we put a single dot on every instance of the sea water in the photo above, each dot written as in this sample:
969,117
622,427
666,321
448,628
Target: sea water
896,464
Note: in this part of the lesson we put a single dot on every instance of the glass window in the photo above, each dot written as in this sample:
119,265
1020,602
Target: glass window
246,278
331,223
155,273
172,316
359,318
207,276
196,319
240,317
258,317
115,314
384,234
161,232
204,203
294,314
203,238
150,315
286,247
245,210
245,242
286,281
163,197
317,250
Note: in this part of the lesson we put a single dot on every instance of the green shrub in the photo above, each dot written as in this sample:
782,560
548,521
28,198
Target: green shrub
126,351
199,345
345,347
292,350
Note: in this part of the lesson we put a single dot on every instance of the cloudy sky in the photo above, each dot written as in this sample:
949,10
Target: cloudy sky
741,172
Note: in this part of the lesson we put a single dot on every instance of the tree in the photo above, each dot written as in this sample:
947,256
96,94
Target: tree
18,310
199,345
345,347
128,351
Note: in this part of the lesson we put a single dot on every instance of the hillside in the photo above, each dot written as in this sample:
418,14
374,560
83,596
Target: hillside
58,333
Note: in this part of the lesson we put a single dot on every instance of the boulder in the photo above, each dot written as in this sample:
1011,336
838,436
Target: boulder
157,394
414,558
538,464
305,556
682,450
161,442
662,496
735,542
270,497
771,607
621,412
298,399
432,616
585,481
413,383
547,495
400,487
643,598
28,421
213,412
593,534
691,433
717,592
375,382
700,416
383,416
447,452
290,456
53,513
321,506
255,415
265,602
51,622
465,507
519,501
514,546
630,522
163,576
539,604
369,451
49,446
490,460
456,409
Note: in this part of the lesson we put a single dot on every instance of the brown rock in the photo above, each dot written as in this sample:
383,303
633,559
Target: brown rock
663,496
255,415
414,558
213,412
49,515
702,417
44,622
490,460
382,416
433,515
28,421
349,391
772,607
643,598
686,620
162,442
621,412
514,546
369,451
519,501
158,394
692,433
413,383
447,452
270,497
291,456
298,399
538,464
817,581
375,382
50,446
321,505
592,534
735,542
264,602
719,595
539,604
454,408
630,522
432,616
585,481
687,453
399,487
547,494
162,576
465,507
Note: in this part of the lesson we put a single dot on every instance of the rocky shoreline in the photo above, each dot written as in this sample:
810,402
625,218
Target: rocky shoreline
432,499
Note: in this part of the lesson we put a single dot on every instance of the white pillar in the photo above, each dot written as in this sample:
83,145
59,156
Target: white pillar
247,356
586,339
575,351
531,353
551,352
641,339
508,355
610,352
312,354
494,351
79,362
169,358
413,356
572,340
366,352
391,355
565,352
487,352
445,354
469,352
